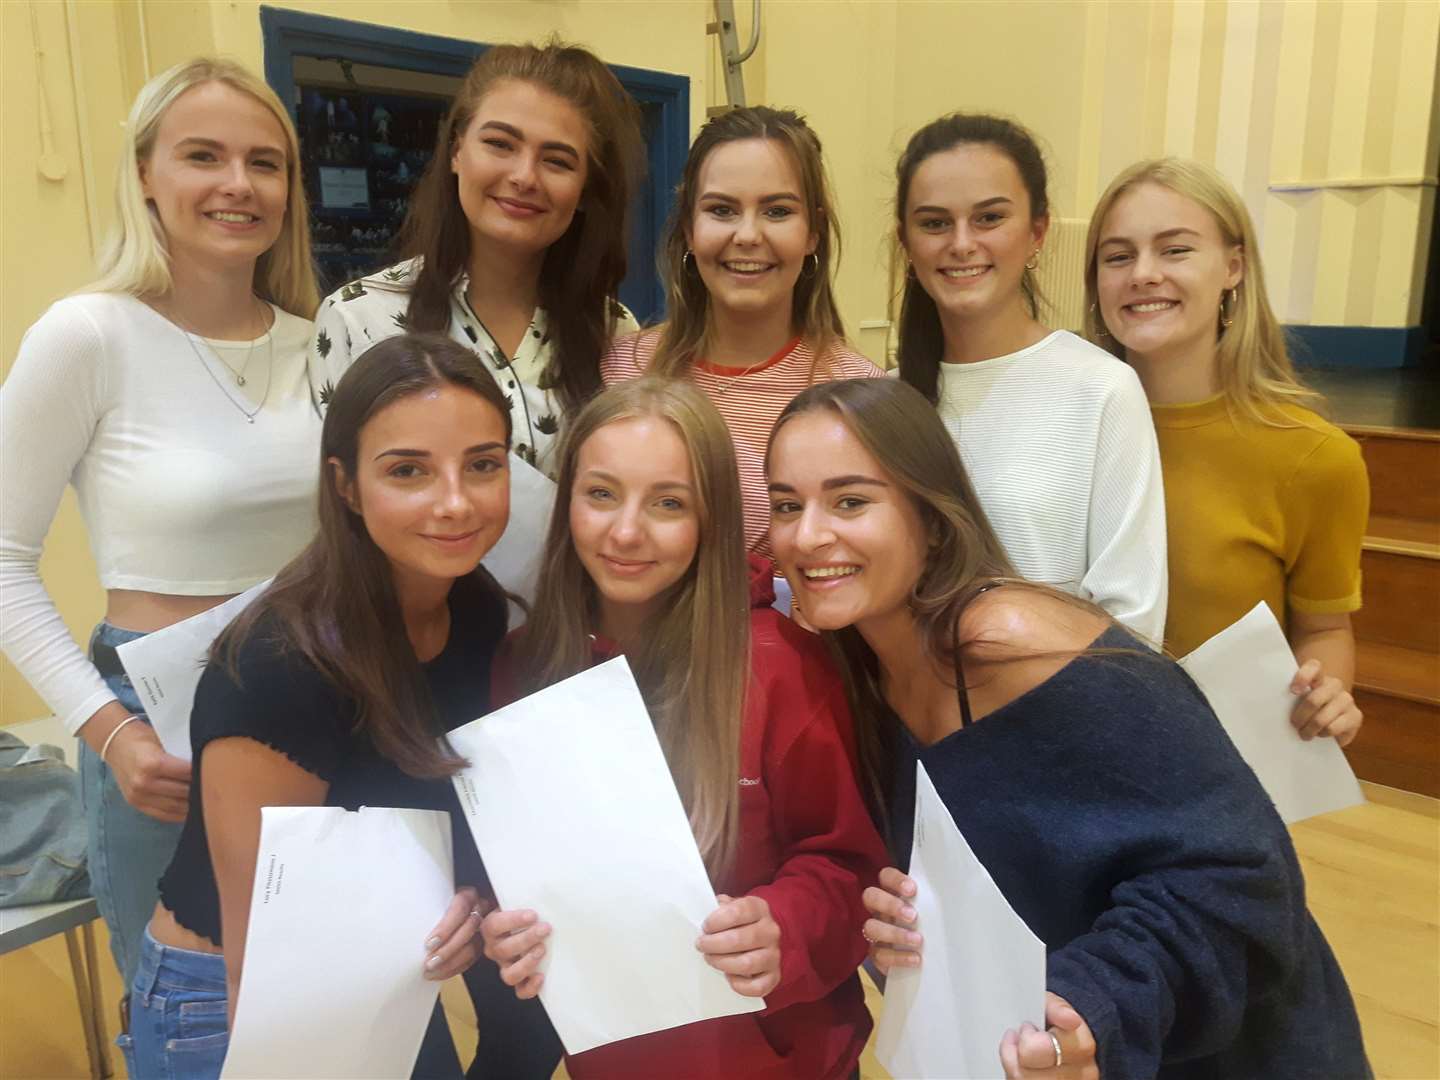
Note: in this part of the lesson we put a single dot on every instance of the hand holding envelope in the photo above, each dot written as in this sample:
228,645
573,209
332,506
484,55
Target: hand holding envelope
1245,673
983,971
334,979
602,852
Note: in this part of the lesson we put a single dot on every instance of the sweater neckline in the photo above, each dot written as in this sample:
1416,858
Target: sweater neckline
1113,635
724,371
1191,414
997,361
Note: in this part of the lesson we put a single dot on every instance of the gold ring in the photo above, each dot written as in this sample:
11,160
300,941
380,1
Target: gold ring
1059,1057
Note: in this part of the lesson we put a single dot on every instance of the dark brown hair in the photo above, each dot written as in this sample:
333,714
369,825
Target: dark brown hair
905,436
583,269
814,313
921,338
335,603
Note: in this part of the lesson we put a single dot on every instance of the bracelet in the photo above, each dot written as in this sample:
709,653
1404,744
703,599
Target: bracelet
113,732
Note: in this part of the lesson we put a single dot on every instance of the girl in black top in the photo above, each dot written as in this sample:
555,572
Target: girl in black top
335,687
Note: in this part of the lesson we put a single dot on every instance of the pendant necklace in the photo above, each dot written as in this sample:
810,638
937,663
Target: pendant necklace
249,414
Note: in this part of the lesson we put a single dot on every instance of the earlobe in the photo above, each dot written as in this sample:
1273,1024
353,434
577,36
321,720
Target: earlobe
1237,268
343,485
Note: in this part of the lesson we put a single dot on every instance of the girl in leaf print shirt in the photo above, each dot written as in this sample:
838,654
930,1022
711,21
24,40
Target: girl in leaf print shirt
517,237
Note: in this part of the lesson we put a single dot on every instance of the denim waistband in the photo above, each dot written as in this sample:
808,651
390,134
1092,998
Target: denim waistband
167,965
103,642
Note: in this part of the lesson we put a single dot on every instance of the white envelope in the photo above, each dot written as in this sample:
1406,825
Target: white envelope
165,667
982,973
515,559
576,816
333,983
1245,672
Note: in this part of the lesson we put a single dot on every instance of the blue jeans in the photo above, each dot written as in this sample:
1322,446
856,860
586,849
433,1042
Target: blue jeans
128,850
179,1026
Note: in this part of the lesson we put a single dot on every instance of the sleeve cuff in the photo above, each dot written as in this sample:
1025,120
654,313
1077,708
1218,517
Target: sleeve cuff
75,719
1341,606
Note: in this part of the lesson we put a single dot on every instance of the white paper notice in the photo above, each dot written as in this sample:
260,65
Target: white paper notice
515,559
1245,672
574,811
983,971
165,667
333,981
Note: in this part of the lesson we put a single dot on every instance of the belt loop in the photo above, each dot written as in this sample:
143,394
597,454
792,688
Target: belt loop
151,955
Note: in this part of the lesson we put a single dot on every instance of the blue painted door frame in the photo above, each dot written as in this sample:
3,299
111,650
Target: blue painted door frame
665,99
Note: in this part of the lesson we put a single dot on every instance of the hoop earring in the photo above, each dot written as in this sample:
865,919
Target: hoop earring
1034,263
1227,317
909,270
687,261
1098,321
810,269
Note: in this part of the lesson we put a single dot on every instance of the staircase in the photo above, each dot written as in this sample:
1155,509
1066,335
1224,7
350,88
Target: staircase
1397,670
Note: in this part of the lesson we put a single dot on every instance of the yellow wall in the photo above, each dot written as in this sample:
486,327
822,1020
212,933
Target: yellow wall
1327,94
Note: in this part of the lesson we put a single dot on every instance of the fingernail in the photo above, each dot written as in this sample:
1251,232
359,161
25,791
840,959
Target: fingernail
432,944
543,930
909,913
913,938
432,963
913,960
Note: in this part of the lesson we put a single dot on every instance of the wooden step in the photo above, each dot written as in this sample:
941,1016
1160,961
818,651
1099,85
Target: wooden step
1400,743
1404,468
1397,672
1401,593
1403,536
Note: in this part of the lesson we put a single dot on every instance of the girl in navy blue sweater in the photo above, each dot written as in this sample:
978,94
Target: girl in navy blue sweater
1088,774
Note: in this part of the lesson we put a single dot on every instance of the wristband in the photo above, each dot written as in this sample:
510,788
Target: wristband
113,732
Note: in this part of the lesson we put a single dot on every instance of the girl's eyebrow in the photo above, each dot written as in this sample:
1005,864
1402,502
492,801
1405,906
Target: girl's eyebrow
834,482
516,133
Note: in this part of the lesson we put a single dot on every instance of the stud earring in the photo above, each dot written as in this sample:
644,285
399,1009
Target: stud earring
1034,263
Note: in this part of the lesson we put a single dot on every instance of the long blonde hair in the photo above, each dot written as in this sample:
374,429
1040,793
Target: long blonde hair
1252,360
134,259
815,315
694,662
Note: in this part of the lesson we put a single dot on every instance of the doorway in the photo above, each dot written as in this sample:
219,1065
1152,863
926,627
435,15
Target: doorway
367,102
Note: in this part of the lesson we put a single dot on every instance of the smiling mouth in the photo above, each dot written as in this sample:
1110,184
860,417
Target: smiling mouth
516,204
824,573
747,266
960,273
231,217
452,541
1145,307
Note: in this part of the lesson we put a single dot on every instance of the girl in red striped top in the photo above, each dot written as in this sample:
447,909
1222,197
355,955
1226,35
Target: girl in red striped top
748,257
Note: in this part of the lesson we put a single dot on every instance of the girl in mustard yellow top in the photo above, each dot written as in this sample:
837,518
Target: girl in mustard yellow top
1264,500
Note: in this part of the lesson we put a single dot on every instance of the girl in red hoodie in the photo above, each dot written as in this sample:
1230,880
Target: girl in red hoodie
645,557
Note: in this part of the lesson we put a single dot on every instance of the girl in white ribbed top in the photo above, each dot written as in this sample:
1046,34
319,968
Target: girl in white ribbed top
173,394
1054,432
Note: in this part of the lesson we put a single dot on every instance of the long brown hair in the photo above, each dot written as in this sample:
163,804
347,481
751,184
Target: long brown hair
335,603
693,665
906,437
815,315
1252,360
921,339
582,270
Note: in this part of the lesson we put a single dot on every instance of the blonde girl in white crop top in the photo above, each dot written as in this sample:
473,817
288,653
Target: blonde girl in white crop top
173,394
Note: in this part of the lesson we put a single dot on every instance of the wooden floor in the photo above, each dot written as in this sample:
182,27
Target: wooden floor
1374,880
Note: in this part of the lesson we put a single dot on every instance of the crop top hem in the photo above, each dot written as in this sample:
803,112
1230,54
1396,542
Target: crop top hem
225,587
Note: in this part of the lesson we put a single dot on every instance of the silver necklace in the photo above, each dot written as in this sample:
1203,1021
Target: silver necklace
249,414
723,383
